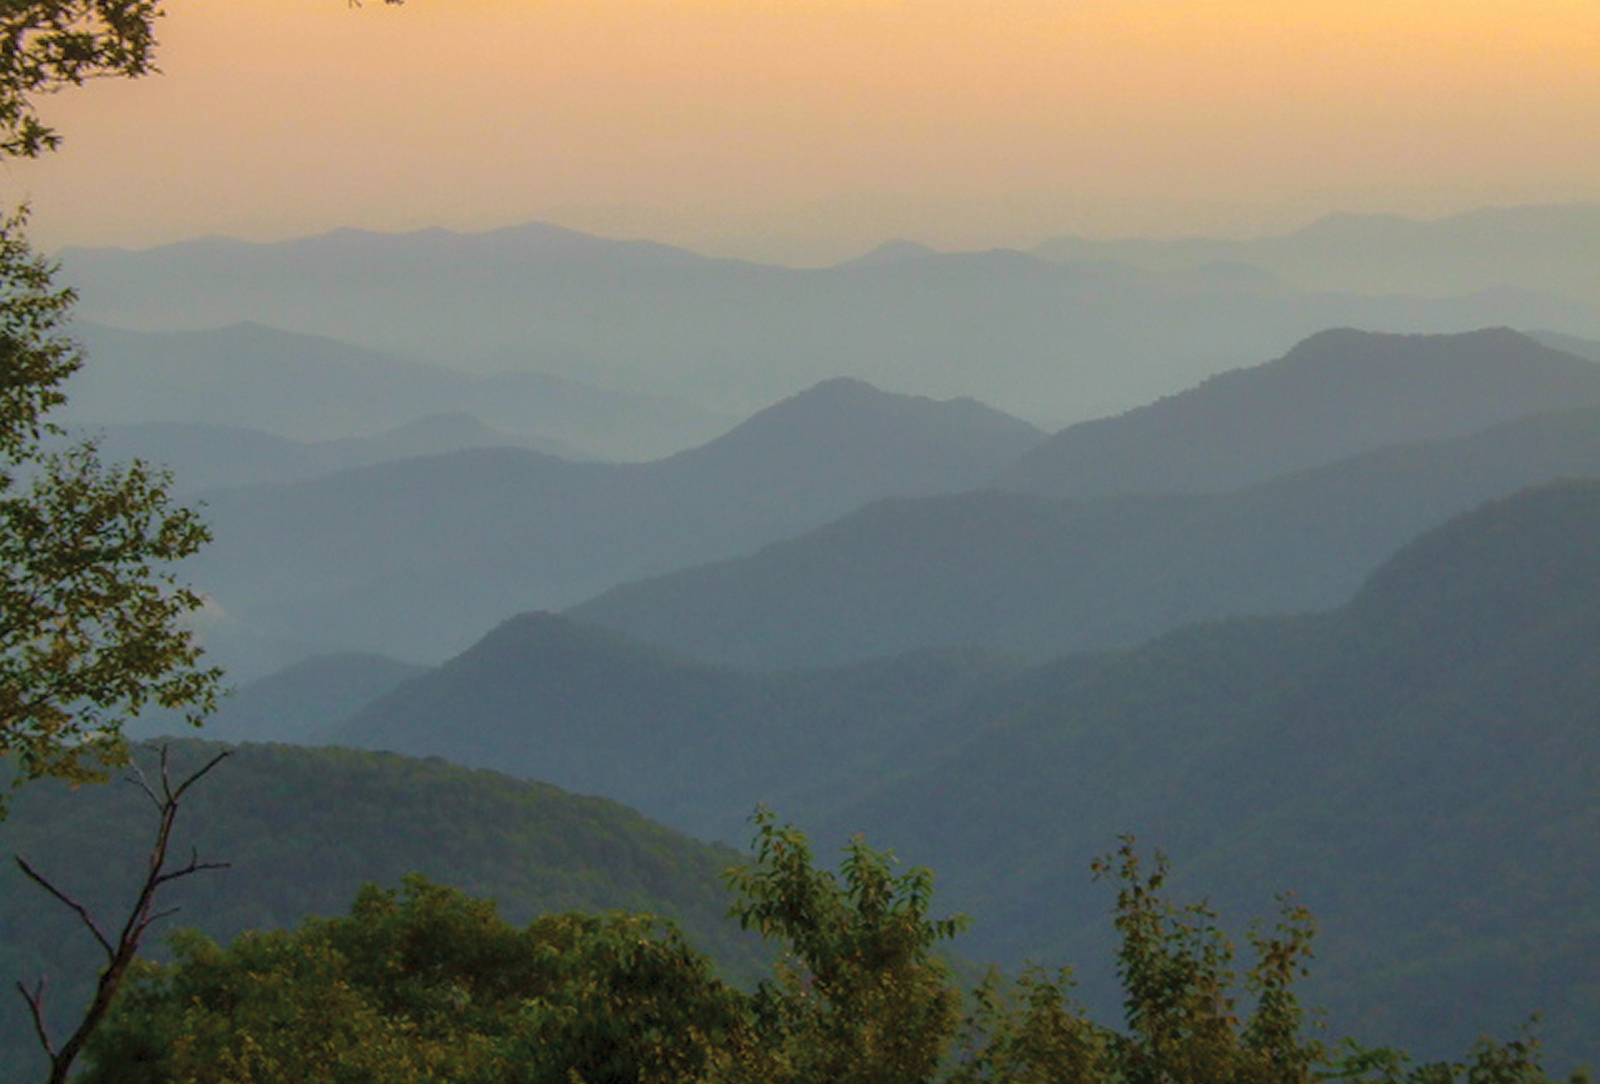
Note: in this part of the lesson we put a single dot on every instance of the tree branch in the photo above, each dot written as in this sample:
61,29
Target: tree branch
141,916
194,866
35,1000
77,908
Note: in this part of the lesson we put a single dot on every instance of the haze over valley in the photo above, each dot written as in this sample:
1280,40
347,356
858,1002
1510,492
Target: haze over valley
630,436
868,607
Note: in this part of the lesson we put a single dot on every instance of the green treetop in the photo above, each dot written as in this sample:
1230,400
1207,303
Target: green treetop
90,613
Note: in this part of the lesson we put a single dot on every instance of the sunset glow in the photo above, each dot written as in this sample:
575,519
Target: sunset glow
720,122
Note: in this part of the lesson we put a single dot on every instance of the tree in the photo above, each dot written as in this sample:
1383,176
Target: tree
120,946
91,615
1189,1017
1028,1031
1185,1023
861,997
50,44
46,45
425,984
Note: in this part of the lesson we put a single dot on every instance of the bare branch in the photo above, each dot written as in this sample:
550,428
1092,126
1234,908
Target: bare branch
196,776
137,778
141,916
77,908
166,777
151,920
194,866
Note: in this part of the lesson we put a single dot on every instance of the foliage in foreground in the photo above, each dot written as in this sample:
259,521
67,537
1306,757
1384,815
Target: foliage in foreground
91,617
426,984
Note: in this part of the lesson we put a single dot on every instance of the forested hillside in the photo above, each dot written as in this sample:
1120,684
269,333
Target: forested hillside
1037,576
1420,767
694,745
1419,764
302,829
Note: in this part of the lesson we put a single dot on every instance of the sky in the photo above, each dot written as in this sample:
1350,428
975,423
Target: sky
805,131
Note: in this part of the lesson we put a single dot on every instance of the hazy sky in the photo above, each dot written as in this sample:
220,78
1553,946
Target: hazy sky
807,129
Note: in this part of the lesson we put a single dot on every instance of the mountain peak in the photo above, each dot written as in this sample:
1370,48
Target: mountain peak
1344,343
892,251
845,424
1336,393
1531,552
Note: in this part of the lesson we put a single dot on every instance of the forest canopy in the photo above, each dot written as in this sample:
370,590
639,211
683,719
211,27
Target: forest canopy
424,983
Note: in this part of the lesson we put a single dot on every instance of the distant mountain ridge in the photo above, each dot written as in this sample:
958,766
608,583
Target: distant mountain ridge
416,558
839,440
1034,575
1572,344
204,457
312,388
891,252
298,703
1339,393
694,745
1053,342
1546,247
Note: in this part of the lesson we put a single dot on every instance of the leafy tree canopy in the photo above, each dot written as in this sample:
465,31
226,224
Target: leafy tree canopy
90,613
47,45
426,984
89,617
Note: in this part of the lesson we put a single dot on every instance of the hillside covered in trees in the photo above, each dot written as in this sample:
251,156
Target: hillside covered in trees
427,984
1445,711
1417,759
301,830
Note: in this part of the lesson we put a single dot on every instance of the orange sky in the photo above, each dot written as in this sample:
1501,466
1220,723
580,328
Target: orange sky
808,129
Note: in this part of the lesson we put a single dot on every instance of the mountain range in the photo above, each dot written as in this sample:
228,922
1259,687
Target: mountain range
1546,247
545,697
1336,394
416,558
205,457
1326,623
994,651
1049,341
1419,764
299,703
1038,575
310,388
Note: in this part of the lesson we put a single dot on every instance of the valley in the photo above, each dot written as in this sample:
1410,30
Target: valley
1323,620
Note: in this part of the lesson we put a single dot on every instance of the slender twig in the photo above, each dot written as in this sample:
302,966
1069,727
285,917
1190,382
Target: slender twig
194,866
136,777
196,776
35,1000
